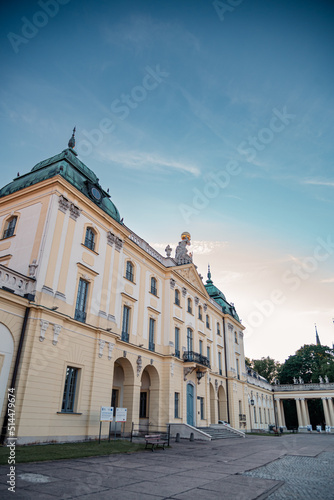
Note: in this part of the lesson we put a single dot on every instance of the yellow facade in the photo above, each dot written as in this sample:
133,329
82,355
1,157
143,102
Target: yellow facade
103,308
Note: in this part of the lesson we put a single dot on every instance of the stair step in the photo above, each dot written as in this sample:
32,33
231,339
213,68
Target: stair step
219,433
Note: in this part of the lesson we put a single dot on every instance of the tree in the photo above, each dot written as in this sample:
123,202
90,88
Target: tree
310,362
266,367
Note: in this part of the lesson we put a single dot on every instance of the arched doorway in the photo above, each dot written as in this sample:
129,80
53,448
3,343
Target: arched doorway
122,395
190,404
6,355
149,403
222,404
212,405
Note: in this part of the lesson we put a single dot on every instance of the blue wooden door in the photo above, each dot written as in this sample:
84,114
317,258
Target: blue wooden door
190,404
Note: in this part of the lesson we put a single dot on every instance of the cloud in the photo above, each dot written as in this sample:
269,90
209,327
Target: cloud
314,182
146,161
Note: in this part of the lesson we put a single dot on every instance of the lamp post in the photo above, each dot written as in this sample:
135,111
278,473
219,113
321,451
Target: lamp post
250,412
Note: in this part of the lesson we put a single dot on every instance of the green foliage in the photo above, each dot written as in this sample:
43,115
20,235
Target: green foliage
248,362
310,362
266,367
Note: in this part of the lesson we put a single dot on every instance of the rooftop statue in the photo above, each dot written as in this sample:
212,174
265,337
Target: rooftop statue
181,254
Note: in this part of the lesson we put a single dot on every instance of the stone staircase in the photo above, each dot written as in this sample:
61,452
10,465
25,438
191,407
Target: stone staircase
221,432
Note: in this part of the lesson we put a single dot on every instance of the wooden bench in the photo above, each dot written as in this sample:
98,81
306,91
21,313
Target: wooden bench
155,440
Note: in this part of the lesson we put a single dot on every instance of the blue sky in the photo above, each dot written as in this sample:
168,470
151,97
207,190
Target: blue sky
169,96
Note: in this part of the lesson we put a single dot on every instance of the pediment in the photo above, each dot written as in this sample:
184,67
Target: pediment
189,273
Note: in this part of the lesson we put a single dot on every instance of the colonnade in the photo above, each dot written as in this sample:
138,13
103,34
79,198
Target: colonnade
302,410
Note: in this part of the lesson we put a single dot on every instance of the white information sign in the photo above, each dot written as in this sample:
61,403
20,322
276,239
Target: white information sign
107,414
121,414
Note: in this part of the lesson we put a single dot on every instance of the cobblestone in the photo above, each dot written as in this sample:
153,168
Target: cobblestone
305,478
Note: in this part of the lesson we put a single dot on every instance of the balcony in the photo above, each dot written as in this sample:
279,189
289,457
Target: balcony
242,417
195,357
17,283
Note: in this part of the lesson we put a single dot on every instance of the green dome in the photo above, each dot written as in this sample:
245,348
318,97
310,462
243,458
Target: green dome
220,298
68,166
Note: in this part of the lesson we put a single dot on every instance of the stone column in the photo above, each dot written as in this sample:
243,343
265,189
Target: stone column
331,410
282,412
304,412
279,415
326,412
299,413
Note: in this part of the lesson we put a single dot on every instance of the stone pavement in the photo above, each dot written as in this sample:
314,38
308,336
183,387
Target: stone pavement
294,466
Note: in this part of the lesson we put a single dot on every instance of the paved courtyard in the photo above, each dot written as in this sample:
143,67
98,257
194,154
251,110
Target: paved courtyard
290,467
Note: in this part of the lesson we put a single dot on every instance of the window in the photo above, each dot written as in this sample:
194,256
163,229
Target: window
69,389
220,363
190,309
151,344
80,308
129,271
218,329
240,407
143,405
9,227
114,399
177,342
177,297
154,286
235,337
260,415
201,347
176,405
200,313
207,321
255,421
201,402
265,415
238,371
208,353
90,238
126,324
189,339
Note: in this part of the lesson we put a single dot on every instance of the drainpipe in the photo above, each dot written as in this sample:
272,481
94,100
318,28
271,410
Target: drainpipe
227,398
16,368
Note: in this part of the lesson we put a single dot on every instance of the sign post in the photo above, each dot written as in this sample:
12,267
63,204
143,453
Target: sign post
121,415
106,415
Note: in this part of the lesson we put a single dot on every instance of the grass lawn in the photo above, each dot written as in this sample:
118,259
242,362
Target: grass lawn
39,453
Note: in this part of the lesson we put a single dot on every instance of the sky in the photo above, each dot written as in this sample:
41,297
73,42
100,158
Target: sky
210,117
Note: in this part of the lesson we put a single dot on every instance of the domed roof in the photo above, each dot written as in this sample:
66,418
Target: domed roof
220,298
67,165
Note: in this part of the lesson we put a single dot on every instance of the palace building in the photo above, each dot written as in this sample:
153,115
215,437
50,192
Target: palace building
91,315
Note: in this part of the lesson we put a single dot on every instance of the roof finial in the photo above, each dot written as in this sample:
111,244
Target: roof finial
317,340
209,273
71,142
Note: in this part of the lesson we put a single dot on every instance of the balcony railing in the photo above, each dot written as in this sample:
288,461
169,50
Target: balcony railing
177,353
80,316
125,337
242,417
196,358
151,346
17,283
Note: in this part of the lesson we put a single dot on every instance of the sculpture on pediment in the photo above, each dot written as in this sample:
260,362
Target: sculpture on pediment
181,254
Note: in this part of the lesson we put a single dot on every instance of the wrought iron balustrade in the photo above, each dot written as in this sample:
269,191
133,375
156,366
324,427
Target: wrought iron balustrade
125,337
151,346
196,357
80,316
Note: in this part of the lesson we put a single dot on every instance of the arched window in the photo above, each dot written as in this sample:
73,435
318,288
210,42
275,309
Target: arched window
207,321
129,271
154,286
90,238
189,308
177,297
9,227
200,313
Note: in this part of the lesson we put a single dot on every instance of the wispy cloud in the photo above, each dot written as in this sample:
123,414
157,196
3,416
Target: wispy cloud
148,161
314,182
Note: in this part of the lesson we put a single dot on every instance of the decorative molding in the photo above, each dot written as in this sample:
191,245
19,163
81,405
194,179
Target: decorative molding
230,326
118,244
111,238
186,372
48,290
56,332
74,211
196,300
63,204
44,326
101,347
110,350
205,307
32,268
139,365
60,295
184,291
172,283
